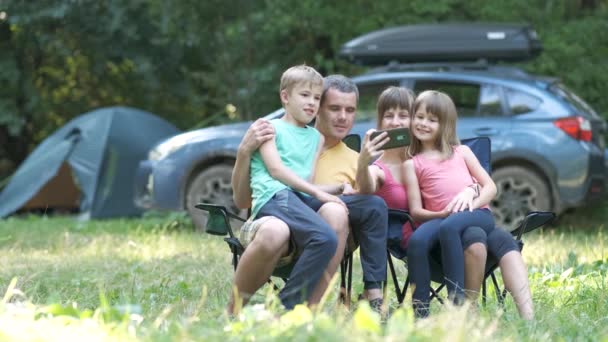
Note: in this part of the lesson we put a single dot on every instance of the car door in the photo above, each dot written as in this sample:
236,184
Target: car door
480,107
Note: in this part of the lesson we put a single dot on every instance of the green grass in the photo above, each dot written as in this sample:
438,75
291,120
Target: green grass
155,279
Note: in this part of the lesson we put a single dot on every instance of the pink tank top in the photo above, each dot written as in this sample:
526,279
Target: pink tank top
395,196
441,180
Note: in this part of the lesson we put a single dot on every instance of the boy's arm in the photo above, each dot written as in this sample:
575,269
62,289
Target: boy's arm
259,132
488,188
415,199
283,174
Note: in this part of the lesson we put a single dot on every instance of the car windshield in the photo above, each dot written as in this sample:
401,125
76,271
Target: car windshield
579,104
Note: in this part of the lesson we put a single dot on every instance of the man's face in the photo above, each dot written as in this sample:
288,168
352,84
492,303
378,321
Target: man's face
337,114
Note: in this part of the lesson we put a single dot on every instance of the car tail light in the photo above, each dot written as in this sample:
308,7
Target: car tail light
575,126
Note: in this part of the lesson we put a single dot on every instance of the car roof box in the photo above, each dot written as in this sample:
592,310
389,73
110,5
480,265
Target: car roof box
444,43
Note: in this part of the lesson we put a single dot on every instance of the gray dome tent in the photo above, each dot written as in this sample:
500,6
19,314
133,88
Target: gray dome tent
102,148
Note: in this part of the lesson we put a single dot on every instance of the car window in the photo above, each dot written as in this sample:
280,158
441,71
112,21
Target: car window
368,97
464,95
490,101
520,102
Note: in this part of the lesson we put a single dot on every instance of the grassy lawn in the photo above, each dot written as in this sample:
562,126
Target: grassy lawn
155,279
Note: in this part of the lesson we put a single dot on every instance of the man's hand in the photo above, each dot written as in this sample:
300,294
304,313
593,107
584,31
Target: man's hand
259,132
462,201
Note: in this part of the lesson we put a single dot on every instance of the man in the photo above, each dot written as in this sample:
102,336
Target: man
367,214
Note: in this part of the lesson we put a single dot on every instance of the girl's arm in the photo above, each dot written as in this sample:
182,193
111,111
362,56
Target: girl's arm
370,177
259,132
488,188
415,199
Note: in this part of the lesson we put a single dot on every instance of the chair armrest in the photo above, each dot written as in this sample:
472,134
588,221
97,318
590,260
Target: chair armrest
214,207
217,219
532,221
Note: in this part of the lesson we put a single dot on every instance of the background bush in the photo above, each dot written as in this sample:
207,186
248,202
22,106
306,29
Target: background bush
199,63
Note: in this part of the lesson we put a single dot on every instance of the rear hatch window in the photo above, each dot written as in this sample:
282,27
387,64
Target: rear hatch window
578,104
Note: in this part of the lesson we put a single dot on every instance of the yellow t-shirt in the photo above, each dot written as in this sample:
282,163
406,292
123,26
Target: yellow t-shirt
337,165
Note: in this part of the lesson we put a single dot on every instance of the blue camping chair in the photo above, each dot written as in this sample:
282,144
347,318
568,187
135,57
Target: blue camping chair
481,147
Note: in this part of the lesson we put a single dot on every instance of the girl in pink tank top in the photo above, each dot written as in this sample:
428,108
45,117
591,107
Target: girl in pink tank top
385,176
437,178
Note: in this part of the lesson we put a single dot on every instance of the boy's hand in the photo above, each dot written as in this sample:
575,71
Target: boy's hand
259,132
324,197
371,147
462,201
348,190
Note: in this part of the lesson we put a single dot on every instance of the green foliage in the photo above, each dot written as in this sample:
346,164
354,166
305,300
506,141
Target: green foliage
200,63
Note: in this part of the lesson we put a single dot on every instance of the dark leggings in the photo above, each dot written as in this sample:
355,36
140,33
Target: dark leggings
452,255
426,237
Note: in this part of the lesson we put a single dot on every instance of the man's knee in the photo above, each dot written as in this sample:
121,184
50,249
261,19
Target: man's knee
377,205
272,237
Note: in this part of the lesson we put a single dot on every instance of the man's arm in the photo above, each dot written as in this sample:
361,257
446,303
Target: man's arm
259,132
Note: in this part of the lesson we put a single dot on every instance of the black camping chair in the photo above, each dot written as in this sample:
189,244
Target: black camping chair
481,147
218,223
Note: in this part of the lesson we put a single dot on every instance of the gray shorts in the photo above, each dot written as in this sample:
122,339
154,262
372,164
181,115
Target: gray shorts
249,230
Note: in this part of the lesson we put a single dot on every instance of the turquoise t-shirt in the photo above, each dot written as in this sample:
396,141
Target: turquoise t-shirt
297,147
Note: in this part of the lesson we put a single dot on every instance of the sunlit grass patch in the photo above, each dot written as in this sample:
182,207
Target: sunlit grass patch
177,281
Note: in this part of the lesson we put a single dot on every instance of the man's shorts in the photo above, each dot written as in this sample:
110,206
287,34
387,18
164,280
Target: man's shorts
249,230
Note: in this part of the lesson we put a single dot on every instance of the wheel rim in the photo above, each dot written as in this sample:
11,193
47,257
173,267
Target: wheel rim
217,190
514,199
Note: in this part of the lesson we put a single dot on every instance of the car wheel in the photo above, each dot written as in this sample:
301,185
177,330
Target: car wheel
211,185
519,190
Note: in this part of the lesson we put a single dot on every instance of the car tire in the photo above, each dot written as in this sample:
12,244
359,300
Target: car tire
210,185
519,190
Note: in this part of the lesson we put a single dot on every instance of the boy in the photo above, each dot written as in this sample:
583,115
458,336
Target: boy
279,171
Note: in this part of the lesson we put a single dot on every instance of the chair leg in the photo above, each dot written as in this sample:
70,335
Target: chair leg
499,293
435,293
398,292
349,285
483,292
343,267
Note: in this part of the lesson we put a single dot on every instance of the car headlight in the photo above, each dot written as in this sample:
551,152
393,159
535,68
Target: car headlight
164,149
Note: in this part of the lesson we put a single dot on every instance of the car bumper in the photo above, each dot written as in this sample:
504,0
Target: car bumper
157,185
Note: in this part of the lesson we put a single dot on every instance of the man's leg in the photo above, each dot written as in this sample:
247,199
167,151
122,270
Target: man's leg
270,243
337,218
368,218
503,247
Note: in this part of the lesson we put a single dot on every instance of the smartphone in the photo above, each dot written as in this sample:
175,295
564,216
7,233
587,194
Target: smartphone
399,137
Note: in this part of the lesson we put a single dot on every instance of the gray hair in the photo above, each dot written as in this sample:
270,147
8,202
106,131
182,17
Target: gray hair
340,83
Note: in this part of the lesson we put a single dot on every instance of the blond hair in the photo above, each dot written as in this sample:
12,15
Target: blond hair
393,97
442,106
300,74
